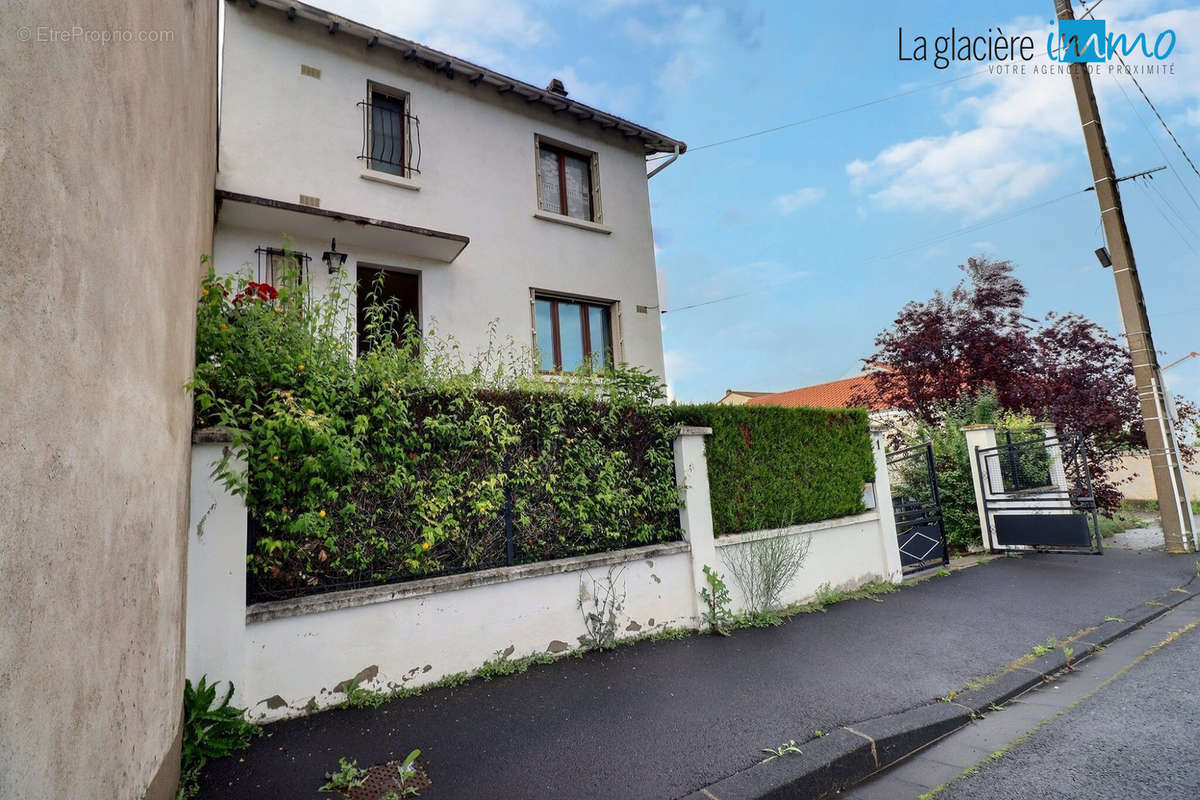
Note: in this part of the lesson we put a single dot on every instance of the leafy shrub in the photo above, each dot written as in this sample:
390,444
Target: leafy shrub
209,731
952,462
399,463
769,467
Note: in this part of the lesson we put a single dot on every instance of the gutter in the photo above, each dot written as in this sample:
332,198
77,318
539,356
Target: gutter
665,164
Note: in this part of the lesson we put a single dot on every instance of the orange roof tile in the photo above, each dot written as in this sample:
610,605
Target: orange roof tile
835,394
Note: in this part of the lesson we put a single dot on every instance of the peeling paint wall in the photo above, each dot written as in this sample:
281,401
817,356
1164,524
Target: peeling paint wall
107,159
300,663
295,656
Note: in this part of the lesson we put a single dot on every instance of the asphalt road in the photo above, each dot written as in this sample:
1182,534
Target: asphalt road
1125,723
1138,737
662,719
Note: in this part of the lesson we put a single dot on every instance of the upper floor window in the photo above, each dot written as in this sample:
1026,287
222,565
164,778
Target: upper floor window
391,134
571,334
567,182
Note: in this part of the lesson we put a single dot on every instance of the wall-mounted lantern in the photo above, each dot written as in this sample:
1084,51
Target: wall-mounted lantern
332,258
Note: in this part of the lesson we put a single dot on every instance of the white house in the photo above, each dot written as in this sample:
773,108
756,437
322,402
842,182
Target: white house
480,197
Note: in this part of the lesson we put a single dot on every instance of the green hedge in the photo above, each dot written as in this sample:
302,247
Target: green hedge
769,467
402,462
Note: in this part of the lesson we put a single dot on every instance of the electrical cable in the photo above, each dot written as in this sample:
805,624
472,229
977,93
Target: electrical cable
925,243
1146,97
1167,219
1166,201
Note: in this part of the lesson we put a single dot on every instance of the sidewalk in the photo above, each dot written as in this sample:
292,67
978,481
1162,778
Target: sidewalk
663,719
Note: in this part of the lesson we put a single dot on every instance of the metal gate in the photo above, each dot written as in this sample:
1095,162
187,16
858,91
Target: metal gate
1037,495
917,507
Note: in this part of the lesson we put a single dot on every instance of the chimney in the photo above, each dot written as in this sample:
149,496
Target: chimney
556,87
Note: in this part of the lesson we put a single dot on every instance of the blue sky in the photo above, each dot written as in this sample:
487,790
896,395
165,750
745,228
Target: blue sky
828,225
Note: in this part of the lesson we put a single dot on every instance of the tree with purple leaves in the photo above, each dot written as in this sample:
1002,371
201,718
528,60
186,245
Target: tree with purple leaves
1063,368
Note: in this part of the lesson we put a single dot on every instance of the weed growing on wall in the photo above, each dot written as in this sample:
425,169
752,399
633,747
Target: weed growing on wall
715,597
600,607
398,462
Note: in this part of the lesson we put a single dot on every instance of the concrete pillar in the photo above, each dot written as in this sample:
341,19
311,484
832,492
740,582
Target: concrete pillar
695,512
883,504
216,571
980,437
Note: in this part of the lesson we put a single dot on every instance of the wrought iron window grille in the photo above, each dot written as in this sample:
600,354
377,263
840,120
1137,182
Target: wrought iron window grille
270,262
391,140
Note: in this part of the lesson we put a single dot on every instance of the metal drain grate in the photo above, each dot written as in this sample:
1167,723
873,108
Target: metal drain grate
381,779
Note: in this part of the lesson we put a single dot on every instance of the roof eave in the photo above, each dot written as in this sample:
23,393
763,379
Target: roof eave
451,66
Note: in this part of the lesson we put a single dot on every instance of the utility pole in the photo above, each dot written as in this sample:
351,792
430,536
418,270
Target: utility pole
1178,534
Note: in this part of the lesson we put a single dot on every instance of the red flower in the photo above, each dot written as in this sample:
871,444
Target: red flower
256,291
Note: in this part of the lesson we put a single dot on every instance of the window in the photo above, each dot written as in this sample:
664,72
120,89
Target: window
389,131
572,334
566,182
273,265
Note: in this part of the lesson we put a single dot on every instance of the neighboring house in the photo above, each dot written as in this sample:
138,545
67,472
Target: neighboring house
834,394
473,197
737,397
842,393
1136,480
107,150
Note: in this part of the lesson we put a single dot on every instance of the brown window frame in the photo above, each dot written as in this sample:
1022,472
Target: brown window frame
403,99
584,303
563,152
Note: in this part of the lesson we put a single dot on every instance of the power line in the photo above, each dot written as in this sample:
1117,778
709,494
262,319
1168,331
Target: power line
1146,97
1137,115
825,115
925,243
836,112
977,226
1167,219
1170,205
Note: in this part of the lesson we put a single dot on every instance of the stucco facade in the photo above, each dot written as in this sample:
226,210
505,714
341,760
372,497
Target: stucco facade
107,151
1136,481
292,132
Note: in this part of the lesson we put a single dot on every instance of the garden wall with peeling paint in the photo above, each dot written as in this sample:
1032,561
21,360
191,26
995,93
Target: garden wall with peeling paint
293,656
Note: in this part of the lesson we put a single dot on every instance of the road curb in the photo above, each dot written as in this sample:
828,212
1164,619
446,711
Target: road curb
854,752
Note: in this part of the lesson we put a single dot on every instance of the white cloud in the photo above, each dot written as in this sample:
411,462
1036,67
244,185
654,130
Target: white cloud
484,31
689,41
1008,136
792,202
975,173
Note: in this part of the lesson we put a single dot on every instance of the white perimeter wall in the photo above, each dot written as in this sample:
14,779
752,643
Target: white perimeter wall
844,553
292,656
298,661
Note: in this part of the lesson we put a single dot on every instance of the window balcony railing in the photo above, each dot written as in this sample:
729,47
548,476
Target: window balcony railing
391,140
